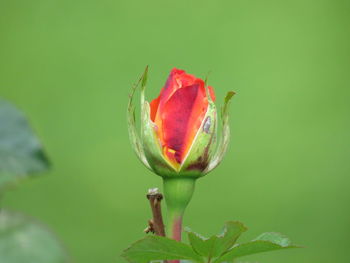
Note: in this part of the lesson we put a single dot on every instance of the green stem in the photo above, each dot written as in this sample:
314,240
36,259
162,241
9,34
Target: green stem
178,192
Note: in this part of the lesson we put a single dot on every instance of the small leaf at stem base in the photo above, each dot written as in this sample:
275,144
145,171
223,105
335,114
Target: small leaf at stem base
216,245
155,248
264,243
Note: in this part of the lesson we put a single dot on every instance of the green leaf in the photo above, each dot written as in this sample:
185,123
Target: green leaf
216,245
133,134
21,153
23,240
159,248
225,135
264,243
276,238
203,246
231,232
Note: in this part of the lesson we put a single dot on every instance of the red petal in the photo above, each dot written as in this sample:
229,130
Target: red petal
182,117
177,79
178,113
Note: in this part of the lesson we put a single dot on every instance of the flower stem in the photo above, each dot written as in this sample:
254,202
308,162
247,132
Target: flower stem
178,192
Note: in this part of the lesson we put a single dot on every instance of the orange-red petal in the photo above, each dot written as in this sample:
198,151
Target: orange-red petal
182,117
154,108
178,113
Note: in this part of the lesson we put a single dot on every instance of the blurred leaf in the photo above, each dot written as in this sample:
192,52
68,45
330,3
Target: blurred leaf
263,243
218,244
23,240
21,153
153,248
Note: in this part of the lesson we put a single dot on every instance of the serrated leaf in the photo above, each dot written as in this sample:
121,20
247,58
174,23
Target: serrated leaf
133,134
231,232
225,135
203,246
216,245
276,238
23,240
264,243
21,153
153,248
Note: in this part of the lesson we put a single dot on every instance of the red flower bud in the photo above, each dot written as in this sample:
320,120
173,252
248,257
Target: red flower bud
178,113
179,127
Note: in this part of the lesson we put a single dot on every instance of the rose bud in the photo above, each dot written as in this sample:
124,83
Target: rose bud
179,127
178,135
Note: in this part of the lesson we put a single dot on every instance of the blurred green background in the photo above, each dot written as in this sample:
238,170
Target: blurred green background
70,65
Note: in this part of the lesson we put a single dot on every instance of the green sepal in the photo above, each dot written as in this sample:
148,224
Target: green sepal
152,147
216,245
150,142
133,134
153,248
225,135
264,243
206,88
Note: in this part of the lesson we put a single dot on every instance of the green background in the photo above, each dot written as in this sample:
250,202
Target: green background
70,65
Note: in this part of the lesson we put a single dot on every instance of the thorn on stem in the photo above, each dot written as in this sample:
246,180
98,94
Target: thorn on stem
150,227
